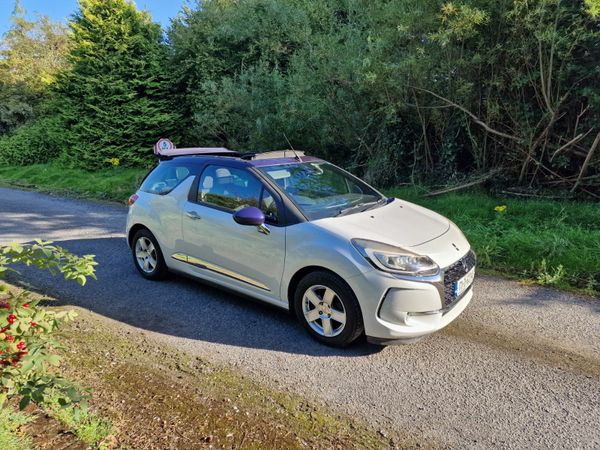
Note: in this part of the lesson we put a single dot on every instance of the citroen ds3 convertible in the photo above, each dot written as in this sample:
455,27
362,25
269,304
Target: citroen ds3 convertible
300,233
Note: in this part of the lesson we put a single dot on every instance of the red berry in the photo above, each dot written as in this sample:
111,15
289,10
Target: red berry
10,338
25,305
33,324
21,345
5,305
11,318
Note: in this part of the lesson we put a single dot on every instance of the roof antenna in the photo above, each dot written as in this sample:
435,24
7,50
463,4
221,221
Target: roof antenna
292,148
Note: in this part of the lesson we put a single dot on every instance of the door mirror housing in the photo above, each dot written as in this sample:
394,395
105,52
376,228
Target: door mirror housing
250,215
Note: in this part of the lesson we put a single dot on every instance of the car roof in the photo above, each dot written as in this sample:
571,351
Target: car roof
239,161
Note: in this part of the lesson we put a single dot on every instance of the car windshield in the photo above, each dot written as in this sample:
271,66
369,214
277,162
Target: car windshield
322,190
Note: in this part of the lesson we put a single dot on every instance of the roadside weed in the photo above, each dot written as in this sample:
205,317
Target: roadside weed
10,422
88,427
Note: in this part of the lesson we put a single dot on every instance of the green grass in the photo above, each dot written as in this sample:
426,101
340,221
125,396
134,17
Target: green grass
10,422
115,184
88,427
549,242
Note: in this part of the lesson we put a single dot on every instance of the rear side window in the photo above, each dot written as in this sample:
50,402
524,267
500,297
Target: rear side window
164,178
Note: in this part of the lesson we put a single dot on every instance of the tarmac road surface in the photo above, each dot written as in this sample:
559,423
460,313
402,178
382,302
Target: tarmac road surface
520,368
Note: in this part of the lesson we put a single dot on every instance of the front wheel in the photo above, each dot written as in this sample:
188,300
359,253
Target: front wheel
147,256
328,309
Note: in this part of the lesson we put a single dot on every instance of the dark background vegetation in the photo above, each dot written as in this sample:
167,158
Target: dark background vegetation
396,91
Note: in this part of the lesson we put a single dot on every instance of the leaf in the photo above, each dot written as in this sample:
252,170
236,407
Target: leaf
25,400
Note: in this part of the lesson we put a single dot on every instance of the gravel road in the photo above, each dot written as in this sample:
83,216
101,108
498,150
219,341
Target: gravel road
519,369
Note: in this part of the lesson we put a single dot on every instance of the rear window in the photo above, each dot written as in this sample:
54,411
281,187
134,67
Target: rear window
166,177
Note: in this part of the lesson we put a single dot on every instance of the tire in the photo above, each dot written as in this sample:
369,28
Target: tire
147,256
328,309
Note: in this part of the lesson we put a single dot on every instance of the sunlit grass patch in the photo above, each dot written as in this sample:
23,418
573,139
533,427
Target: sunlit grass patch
10,422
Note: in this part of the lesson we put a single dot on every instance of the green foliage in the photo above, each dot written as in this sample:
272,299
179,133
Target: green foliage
31,55
111,101
26,328
38,141
384,88
423,90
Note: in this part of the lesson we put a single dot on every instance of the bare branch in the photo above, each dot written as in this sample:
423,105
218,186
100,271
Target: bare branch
588,158
463,186
576,139
476,119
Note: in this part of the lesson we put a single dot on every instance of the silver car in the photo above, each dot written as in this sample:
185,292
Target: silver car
300,233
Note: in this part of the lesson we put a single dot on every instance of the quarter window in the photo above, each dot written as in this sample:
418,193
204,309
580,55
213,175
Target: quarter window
164,178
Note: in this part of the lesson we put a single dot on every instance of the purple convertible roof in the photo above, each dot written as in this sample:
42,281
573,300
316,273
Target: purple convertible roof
281,161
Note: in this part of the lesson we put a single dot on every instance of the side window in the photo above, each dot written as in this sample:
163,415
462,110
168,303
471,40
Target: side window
164,178
233,189
229,188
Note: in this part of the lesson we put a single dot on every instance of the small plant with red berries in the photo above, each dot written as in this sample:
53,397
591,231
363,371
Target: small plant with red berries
28,359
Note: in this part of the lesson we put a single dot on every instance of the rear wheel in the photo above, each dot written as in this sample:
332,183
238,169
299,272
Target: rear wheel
147,256
328,309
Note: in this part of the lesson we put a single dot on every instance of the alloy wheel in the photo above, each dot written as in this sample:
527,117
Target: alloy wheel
145,254
324,311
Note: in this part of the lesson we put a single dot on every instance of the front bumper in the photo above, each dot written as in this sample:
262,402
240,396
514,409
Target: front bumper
399,310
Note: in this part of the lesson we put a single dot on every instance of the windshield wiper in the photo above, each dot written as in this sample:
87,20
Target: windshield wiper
361,207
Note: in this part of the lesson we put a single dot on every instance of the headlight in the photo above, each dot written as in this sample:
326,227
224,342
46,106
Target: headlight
395,259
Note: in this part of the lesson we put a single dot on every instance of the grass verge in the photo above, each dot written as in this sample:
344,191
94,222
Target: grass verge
554,243
159,397
115,184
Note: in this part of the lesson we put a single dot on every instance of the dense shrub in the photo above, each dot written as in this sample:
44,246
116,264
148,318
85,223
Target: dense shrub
39,141
396,89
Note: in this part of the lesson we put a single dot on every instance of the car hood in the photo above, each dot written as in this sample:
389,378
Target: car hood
399,223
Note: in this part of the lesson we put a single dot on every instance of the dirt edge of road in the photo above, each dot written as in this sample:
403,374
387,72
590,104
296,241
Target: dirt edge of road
158,397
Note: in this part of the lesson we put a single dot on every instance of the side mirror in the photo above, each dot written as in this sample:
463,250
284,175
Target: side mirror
250,215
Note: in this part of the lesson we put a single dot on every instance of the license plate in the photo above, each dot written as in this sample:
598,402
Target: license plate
460,286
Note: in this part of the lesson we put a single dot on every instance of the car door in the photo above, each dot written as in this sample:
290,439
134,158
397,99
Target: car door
220,249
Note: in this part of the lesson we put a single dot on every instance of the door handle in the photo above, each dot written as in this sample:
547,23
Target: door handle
263,229
193,215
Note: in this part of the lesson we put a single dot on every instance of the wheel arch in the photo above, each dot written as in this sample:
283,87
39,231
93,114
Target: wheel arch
301,273
134,229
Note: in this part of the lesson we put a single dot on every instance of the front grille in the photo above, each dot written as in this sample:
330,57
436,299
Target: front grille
455,272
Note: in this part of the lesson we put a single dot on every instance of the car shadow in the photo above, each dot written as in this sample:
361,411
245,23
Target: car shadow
178,306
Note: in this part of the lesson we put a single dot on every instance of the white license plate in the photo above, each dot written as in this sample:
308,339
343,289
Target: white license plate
460,286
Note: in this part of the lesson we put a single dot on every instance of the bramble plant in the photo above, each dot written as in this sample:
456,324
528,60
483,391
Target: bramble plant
27,350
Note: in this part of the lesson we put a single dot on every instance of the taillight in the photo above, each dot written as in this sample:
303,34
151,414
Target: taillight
132,199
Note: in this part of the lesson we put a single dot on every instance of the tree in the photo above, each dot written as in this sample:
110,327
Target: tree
112,101
32,53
